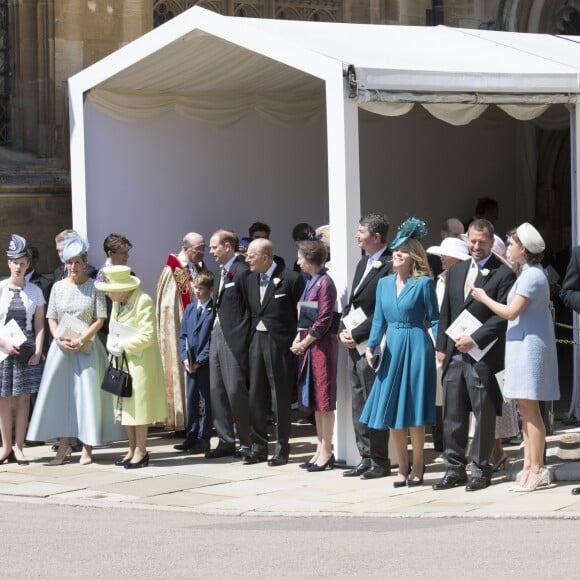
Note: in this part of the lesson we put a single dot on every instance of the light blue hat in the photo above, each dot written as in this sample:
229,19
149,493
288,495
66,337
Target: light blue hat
74,246
16,248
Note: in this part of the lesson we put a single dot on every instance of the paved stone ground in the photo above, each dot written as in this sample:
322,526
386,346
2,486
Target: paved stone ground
176,481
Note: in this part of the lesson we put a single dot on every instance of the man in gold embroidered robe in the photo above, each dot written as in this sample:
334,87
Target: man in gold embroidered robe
174,293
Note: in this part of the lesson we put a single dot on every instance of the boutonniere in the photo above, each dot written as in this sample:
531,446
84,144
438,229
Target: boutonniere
377,264
229,276
276,281
484,272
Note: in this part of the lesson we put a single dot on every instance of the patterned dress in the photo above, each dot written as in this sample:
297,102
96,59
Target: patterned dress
531,363
70,400
16,377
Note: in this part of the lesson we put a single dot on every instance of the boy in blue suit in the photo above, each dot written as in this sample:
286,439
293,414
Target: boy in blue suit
194,340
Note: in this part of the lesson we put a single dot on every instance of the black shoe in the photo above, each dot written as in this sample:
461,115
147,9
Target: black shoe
375,472
221,451
77,447
576,491
186,445
122,462
277,460
450,480
357,471
242,452
199,447
477,483
28,443
308,464
413,483
143,463
330,464
255,457
10,458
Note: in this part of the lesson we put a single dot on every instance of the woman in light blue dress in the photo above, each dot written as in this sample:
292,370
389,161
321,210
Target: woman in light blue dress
531,365
70,401
403,396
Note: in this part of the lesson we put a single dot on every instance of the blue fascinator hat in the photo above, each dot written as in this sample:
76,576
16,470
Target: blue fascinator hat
74,246
16,248
410,228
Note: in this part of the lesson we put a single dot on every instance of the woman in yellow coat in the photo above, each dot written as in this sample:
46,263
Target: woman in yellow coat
132,331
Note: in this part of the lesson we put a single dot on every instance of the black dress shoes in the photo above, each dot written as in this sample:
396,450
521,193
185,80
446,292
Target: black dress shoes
221,451
357,471
255,457
199,447
375,472
242,452
477,483
187,445
450,480
576,491
277,460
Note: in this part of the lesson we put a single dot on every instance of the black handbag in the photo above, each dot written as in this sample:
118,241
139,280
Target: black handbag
117,381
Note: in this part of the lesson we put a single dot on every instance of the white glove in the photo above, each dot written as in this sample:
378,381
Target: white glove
116,349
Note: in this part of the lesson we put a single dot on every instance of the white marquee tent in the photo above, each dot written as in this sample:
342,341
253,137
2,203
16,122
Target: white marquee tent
211,121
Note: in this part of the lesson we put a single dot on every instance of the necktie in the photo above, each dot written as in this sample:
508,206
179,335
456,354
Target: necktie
470,279
199,310
222,278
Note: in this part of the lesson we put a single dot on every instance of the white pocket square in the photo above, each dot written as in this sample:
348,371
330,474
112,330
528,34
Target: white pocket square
279,295
229,285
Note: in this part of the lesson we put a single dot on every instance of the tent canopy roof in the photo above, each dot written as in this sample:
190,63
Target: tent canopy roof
200,52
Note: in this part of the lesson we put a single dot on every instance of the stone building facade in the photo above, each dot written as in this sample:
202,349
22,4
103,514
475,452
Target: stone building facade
43,42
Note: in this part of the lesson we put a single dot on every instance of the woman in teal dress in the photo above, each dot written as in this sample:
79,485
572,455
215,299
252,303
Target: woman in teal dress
132,332
403,395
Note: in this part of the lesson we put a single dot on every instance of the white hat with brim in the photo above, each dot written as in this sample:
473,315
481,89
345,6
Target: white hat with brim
452,247
117,279
531,238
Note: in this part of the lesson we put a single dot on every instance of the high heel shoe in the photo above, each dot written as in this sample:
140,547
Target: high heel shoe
122,462
60,460
142,463
404,482
10,458
536,480
500,464
314,468
413,483
305,465
85,460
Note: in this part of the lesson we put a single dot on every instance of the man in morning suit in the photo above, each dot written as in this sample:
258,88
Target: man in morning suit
373,445
273,295
470,385
228,353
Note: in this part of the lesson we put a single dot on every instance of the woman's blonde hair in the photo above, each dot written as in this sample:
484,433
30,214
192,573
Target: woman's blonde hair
419,257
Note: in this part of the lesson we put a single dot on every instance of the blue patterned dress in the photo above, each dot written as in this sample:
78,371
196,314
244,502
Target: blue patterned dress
70,401
531,362
403,394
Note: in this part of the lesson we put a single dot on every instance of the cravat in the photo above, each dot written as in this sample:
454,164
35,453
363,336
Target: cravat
470,279
222,278
264,279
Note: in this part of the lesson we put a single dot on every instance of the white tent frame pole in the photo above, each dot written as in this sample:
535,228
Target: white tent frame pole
575,219
344,212
77,158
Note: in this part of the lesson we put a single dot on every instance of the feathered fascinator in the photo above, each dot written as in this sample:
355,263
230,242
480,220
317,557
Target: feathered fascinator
74,245
410,228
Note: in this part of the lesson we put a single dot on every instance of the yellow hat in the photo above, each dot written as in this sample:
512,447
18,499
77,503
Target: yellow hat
117,279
